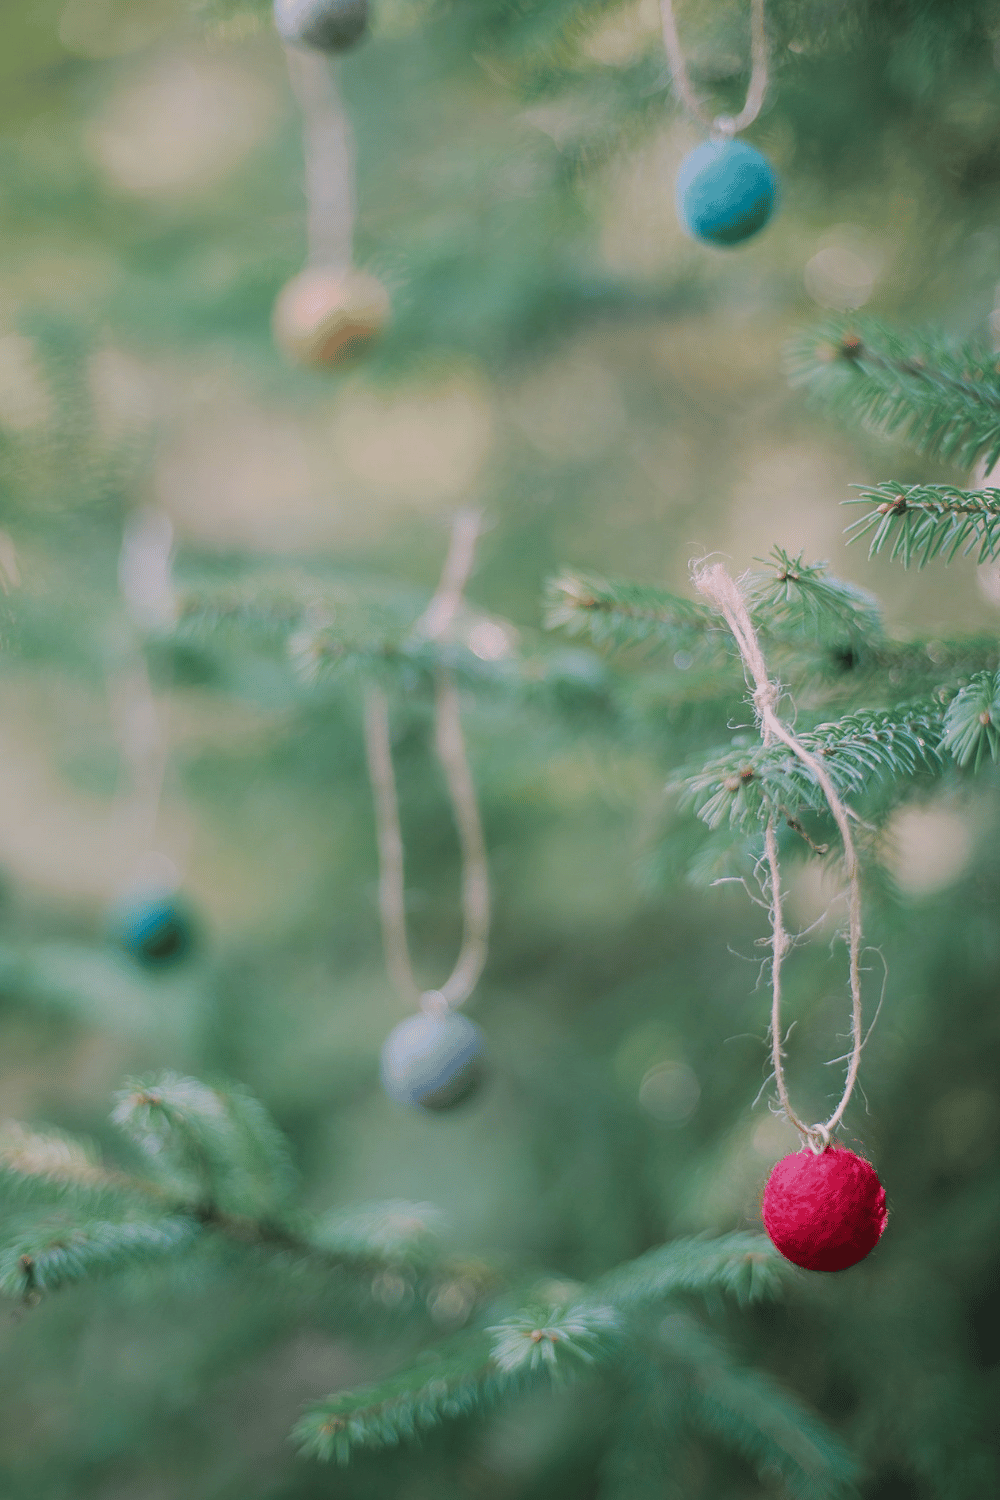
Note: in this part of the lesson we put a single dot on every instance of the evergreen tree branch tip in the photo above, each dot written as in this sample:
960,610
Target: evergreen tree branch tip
916,523
941,398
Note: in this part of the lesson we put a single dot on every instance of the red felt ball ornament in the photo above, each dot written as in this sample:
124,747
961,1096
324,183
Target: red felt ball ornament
824,1212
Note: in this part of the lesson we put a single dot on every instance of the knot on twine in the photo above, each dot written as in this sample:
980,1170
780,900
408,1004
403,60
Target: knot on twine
766,699
817,1138
724,127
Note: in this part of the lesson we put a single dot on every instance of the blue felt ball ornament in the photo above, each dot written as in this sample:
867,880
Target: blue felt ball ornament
726,192
326,25
434,1060
154,930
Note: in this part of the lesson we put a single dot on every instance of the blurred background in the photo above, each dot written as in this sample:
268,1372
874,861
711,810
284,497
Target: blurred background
614,396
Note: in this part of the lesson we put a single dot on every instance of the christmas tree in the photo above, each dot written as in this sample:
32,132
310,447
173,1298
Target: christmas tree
259,751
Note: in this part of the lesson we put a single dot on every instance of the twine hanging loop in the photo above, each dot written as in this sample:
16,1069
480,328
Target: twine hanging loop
726,596
449,743
146,585
719,125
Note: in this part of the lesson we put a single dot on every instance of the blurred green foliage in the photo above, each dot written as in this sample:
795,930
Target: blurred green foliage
616,398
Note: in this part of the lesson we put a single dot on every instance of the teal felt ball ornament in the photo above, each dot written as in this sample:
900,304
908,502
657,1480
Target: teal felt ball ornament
434,1060
726,192
155,930
326,25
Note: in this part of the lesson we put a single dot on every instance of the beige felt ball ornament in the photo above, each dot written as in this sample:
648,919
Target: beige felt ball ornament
824,1206
324,317
331,311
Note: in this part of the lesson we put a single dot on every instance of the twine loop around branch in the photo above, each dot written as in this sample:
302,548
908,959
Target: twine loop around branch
726,596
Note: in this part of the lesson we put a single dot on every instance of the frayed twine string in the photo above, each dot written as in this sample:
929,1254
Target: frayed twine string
449,744
727,125
725,595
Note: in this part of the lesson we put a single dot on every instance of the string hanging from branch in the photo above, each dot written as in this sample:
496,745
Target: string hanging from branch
436,1058
149,920
330,310
823,1208
726,190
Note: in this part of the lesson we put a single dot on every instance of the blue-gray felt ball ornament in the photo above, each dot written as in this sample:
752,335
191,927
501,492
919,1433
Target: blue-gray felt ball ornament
726,191
155,930
435,1060
326,25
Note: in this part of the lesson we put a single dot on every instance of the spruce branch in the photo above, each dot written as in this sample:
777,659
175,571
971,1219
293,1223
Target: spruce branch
749,1413
918,522
941,398
792,602
392,1232
453,1380
860,750
203,1130
46,1256
555,1339
743,1266
49,1164
616,613
561,1342
642,1461
215,1144
220,1164
252,608
972,721
459,1377
795,600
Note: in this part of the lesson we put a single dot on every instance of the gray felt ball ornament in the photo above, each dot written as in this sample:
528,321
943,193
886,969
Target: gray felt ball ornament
326,25
434,1060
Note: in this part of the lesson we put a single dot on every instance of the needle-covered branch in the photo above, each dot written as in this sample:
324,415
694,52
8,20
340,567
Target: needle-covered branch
607,1329
460,1377
796,601
454,1380
359,632
474,1370
42,1257
615,613
743,786
793,603
751,1414
743,1266
972,721
942,398
221,1166
211,1144
918,522
49,1166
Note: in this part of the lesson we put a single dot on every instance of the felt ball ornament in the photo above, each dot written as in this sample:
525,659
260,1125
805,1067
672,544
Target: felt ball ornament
326,25
322,317
824,1212
726,192
154,930
434,1060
